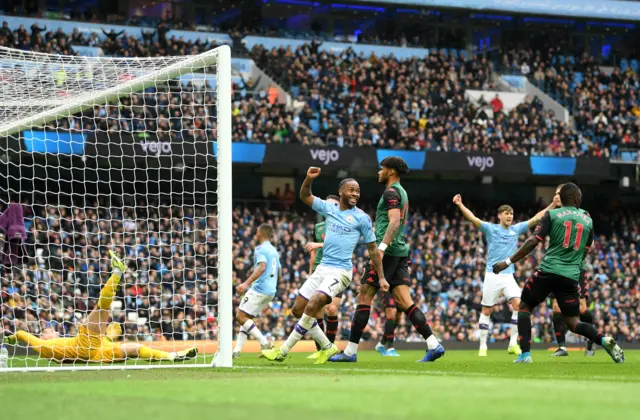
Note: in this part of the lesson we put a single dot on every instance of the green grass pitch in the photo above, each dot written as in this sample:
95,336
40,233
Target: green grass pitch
459,386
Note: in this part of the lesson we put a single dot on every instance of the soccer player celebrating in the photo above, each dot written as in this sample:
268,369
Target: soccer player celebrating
331,310
260,288
391,218
94,342
585,315
502,241
570,232
385,346
345,223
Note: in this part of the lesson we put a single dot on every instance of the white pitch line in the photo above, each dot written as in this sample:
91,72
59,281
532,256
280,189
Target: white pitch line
427,373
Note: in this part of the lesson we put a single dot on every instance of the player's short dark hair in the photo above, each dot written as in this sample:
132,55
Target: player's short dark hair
570,193
266,230
505,207
396,163
345,181
333,197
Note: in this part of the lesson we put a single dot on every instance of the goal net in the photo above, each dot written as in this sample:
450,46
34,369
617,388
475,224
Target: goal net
123,155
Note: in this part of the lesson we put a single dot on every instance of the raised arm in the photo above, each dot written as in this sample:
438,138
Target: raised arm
536,219
305,190
468,214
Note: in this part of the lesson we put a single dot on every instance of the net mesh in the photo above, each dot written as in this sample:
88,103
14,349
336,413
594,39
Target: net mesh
112,154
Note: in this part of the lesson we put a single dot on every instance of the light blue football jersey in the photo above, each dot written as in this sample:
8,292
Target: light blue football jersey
267,283
502,243
343,231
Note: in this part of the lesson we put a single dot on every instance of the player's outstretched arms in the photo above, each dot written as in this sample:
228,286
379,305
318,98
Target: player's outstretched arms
139,351
536,219
305,189
468,214
376,259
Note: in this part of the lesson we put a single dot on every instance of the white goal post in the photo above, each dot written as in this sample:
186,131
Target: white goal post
131,155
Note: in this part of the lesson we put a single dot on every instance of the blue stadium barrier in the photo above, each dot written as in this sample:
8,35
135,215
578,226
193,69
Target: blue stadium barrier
244,152
54,142
547,165
415,160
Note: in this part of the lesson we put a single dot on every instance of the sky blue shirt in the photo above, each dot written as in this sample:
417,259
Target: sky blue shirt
342,232
267,283
502,243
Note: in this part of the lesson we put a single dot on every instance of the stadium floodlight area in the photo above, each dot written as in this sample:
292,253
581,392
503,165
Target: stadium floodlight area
130,155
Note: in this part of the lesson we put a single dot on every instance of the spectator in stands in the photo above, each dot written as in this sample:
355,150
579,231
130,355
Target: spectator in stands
496,104
172,283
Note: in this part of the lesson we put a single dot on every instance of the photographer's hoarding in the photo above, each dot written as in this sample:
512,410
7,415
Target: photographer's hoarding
476,164
302,157
148,150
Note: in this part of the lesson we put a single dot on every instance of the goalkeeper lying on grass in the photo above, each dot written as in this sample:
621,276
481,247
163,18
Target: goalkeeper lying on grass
94,342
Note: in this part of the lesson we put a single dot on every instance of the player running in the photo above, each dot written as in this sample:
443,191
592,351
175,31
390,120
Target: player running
585,315
502,241
391,218
260,288
331,310
345,223
94,342
570,232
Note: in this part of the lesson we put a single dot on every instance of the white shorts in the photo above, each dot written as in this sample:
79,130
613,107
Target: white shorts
330,281
494,284
253,302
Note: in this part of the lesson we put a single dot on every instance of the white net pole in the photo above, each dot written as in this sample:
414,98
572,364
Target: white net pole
118,154
225,208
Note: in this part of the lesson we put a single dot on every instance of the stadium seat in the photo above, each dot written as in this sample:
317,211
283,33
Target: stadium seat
314,125
624,63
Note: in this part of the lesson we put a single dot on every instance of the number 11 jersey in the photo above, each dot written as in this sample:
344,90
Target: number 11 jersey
570,232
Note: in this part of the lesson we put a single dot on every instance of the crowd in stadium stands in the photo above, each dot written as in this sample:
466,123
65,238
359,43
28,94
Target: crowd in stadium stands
417,104
605,105
170,292
349,100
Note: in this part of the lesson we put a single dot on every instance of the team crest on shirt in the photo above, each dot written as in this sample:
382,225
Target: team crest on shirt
349,219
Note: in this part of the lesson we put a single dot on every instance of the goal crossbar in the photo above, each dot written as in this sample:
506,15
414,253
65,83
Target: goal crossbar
78,102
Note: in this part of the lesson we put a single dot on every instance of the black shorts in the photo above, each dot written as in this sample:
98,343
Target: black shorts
388,300
396,271
540,285
584,286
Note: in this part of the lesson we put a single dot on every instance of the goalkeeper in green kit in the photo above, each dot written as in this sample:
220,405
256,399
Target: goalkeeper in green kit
570,232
